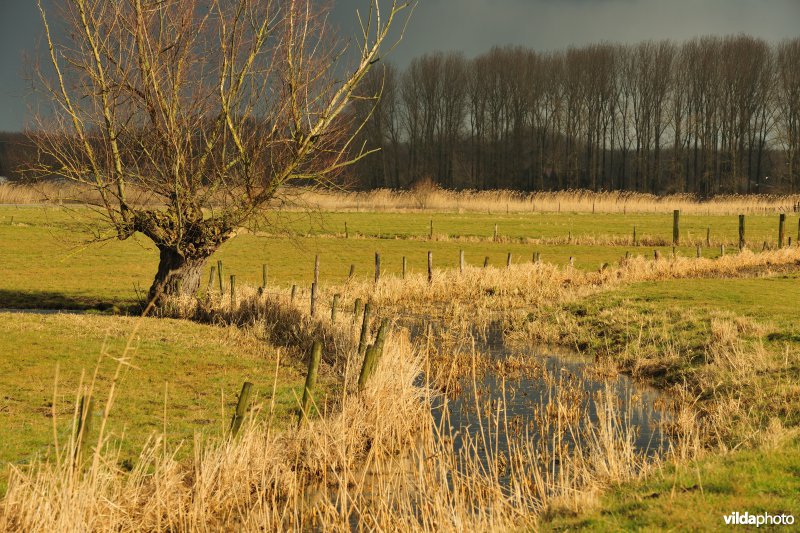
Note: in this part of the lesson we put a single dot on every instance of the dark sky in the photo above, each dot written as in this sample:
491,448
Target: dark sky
474,26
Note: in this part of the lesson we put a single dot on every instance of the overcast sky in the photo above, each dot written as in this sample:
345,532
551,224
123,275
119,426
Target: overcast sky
474,26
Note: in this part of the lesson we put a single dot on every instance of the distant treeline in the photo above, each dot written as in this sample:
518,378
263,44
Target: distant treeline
712,115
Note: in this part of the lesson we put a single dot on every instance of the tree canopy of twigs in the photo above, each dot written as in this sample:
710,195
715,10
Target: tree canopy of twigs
207,106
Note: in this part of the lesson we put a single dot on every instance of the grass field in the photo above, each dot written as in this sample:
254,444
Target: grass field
183,378
46,262
732,342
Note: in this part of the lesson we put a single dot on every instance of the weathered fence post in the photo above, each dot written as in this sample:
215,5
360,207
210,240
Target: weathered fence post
722,250
356,309
372,355
537,257
404,267
741,232
676,229
699,251
352,271
486,261
708,237
635,242
461,261
233,292
313,299
241,408
362,339
83,424
781,227
316,268
219,275
377,267
311,379
334,307
495,233
294,292
430,266
211,280
508,260
346,232
656,255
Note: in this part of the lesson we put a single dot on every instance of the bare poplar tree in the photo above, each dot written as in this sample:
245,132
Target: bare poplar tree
207,107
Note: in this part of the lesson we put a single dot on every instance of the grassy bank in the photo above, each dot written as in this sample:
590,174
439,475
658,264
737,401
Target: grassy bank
183,378
698,494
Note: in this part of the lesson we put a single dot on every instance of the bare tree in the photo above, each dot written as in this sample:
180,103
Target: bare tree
208,106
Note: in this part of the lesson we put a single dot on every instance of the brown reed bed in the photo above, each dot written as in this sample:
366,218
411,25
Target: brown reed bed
378,461
440,200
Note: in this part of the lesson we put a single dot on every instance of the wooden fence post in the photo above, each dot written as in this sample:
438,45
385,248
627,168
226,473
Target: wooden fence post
352,271
83,425
211,280
781,227
635,242
241,408
495,233
486,261
346,232
356,309
219,275
264,276
430,266
741,233
377,267
311,379
461,261
708,237
313,299
316,268
372,355
233,292
676,231
404,267
362,340
294,292
508,260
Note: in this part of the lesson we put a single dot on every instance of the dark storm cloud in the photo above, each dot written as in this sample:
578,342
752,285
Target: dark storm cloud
474,26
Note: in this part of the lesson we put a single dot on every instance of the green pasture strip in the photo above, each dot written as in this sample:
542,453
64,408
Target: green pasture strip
696,496
724,229
46,263
199,368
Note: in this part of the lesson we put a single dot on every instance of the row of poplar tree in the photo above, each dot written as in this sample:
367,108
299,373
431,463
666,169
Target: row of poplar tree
707,116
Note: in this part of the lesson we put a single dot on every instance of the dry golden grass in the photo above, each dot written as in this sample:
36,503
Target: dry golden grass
578,201
441,200
378,462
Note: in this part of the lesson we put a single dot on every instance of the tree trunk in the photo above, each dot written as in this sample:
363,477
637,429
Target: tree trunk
177,274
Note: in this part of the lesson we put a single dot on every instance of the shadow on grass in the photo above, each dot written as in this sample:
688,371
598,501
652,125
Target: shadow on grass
58,301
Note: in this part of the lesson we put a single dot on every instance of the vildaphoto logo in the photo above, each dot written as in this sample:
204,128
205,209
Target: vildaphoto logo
764,519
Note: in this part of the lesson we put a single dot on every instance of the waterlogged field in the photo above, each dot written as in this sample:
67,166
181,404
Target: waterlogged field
709,349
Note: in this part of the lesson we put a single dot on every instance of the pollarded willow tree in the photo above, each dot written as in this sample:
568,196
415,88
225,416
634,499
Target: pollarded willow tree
187,117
